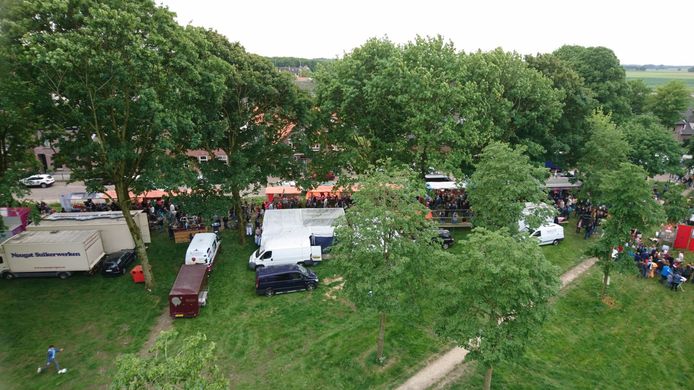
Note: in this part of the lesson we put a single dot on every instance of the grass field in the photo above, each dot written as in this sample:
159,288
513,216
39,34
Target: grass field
657,78
641,339
287,341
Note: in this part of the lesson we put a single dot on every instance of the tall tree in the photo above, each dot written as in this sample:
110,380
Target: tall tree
251,113
571,130
503,182
639,93
652,146
496,296
118,74
675,204
629,200
520,101
669,102
603,74
605,150
415,103
171,364
383,244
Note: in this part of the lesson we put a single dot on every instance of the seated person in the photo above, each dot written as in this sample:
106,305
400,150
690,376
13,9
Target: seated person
665,272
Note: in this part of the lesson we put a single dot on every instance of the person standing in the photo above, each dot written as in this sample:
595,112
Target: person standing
51,359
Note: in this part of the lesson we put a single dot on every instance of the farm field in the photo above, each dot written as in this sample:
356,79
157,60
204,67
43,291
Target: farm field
640,339
656,78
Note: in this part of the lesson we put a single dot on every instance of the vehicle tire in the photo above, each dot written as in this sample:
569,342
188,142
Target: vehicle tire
269,292
123,271
446,246
310,287
43,185
555,242
8,275
64,275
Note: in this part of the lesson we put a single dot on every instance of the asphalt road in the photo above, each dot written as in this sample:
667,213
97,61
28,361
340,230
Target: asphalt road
52,194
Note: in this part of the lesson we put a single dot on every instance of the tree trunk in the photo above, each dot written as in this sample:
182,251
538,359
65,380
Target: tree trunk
381,337
241,228
488,378
124,203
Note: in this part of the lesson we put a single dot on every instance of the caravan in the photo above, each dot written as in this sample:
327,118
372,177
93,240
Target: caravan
203,249
287,249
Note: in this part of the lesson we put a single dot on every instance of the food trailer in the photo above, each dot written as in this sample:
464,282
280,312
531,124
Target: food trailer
189,291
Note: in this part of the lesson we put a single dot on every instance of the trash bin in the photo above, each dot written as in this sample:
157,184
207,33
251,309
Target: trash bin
138,275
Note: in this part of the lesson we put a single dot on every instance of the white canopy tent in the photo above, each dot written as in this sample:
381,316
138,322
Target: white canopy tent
301,222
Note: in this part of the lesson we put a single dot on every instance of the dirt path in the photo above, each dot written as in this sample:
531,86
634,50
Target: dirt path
164,322
441,369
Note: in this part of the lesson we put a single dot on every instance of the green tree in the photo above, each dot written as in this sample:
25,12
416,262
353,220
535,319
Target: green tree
652,146
496,296
171,364
518,100
605,150
416,104
638,96
629,200
119,76
603,74
384,243
675,204
503,182
669,102
571,130
251,112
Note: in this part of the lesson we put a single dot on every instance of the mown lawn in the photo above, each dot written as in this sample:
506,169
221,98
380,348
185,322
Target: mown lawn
93,318
640,339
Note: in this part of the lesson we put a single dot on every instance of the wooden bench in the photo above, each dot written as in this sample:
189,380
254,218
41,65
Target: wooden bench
183,236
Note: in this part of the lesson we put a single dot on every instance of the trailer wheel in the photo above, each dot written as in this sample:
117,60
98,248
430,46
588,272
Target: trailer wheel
8,275
268,292
64,275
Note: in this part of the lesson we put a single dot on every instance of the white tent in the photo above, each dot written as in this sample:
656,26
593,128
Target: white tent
305,222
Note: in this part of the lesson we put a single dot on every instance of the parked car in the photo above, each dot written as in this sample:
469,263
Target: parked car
284,278
445,238
116,264
41,180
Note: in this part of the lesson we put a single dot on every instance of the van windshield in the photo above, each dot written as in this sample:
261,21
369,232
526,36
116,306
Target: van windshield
302,269
257,253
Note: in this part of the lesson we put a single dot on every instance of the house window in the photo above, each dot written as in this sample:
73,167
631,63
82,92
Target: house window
222,158
315,147
202,158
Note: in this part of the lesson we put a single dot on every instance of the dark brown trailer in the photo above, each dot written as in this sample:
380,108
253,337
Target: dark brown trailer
189,291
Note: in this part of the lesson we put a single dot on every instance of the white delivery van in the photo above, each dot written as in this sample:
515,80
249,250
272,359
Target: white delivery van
58,253
550,233
203,249
286,249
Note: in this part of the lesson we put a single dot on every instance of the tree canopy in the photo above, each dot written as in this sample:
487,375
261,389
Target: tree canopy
497,296
652,146
669,102
503,182
384,244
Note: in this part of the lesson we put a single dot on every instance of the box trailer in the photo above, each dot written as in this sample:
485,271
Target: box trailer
110,224
57,253
189,291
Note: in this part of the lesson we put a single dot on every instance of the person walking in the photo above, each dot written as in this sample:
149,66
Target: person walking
51,359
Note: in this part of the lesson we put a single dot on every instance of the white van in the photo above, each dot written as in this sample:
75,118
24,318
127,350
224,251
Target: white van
287,249
550,233
203,249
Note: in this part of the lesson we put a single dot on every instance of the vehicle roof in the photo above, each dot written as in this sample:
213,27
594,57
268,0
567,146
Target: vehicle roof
190,279
52,237
288,240
87,218
276,269
201,241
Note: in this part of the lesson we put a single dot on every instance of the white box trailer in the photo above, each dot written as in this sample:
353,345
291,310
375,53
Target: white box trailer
58,253
111,225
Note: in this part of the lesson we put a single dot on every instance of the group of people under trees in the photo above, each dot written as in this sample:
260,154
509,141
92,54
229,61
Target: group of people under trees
447,205
324,200
660,264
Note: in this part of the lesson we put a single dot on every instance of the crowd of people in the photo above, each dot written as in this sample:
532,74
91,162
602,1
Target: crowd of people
660,264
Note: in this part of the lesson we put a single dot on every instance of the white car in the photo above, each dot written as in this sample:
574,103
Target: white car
42,180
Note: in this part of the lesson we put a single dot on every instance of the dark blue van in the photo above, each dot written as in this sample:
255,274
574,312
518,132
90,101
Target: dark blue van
284,278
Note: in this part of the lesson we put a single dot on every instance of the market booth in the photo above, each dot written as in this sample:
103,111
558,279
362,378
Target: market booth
273,191
189,291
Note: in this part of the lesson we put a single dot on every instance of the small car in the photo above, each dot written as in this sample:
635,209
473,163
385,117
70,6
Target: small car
116,264
42,180
445,238
284,278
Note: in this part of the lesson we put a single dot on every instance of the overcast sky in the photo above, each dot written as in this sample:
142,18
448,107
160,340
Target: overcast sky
639,32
